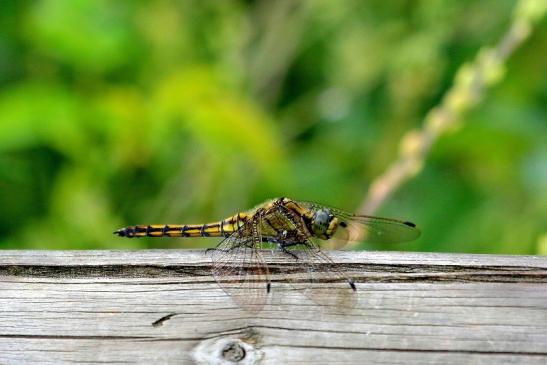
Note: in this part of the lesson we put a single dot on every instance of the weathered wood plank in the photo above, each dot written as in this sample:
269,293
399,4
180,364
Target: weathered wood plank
163,306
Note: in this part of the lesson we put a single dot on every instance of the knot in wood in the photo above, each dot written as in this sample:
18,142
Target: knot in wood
233,352
227,351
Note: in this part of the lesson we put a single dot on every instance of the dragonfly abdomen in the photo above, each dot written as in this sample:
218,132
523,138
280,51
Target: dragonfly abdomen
217,229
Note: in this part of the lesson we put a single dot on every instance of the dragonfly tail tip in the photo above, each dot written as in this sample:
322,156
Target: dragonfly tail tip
120,232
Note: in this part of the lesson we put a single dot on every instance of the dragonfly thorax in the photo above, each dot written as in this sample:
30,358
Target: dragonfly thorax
323,224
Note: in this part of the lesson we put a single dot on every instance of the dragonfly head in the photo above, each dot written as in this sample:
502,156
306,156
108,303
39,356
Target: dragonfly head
323,223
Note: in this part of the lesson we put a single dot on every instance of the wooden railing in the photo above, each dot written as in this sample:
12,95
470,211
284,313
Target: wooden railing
164,307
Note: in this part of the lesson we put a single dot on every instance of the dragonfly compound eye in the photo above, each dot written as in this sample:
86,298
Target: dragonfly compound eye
321,222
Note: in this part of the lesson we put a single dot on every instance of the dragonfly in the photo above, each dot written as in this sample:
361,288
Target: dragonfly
298,230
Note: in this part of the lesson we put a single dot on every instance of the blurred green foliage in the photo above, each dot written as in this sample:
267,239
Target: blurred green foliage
125,112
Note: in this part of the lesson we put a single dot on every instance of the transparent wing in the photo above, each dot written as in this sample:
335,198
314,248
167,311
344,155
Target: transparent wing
364,228
240,270
360,228
316,275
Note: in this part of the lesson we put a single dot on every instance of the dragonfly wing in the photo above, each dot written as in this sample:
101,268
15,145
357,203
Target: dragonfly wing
240,270
365,228
317,275
327,286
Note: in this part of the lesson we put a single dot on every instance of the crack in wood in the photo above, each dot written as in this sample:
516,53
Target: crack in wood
363,273
68,337
160,321
387,349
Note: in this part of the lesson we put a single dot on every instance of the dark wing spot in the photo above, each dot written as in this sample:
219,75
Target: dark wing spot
410,224
343,224
352,284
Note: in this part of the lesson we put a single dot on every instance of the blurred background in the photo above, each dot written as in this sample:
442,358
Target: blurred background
115,113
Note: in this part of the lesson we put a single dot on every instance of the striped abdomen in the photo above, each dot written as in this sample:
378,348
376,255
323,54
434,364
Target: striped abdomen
223,228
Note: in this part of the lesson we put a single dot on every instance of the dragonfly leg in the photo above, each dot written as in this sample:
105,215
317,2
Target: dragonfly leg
283,248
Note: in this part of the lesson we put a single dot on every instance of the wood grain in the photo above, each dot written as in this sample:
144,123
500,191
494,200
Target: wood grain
163,307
